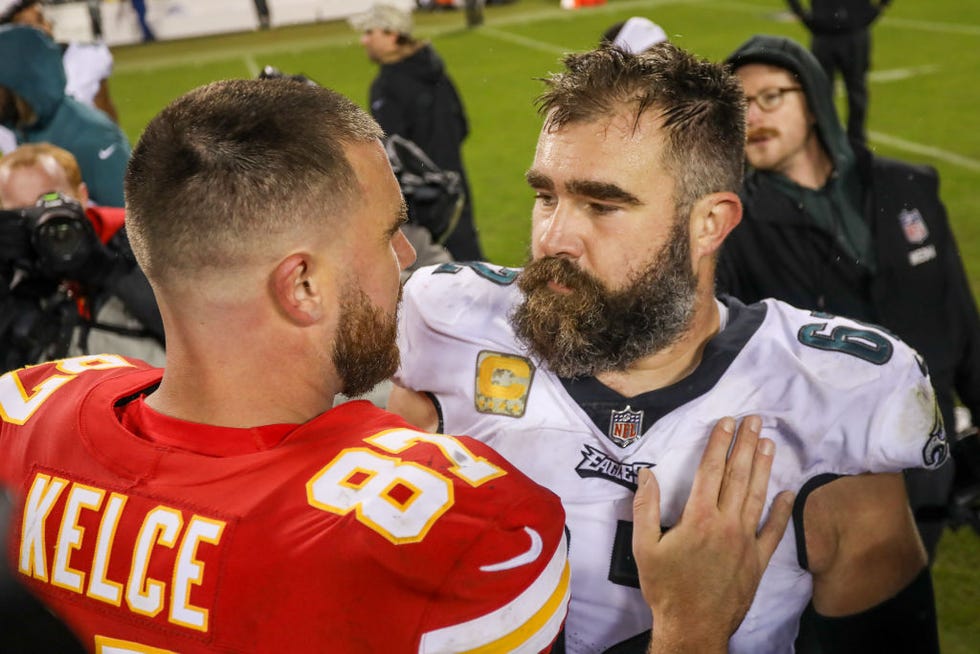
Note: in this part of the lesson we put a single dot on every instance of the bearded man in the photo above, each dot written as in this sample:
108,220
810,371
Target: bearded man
609,353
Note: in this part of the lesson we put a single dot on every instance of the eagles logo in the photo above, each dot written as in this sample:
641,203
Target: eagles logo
596,464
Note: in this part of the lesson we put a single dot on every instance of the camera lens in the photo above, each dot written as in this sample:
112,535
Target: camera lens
62,243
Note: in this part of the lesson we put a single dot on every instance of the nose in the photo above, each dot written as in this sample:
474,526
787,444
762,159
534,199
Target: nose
753,112
403,250
364,38
557,235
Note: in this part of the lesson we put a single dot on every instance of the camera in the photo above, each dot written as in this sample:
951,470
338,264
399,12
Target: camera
50,259
53,240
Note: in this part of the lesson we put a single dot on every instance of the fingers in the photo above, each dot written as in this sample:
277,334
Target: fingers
711,471
772,531
646,510
738,471
758,484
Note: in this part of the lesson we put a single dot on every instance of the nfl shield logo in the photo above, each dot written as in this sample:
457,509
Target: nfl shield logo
625,426
913,225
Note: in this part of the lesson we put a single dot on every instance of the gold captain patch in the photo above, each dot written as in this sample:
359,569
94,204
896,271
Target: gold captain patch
503,382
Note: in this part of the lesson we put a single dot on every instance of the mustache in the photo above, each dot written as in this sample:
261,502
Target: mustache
537,273
761,133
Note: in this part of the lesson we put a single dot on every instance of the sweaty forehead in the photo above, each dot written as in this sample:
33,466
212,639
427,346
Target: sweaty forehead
614,142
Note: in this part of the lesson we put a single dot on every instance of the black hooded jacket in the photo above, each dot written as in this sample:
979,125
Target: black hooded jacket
838,16
915,285
415,99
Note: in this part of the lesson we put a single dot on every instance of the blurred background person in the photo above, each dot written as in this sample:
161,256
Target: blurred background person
634,35
412,96
832,227
88,66
34,105
841,41
139,6
90,297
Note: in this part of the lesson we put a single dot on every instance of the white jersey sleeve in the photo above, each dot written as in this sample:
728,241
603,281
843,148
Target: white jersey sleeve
8,140
869,392
453,324
86,65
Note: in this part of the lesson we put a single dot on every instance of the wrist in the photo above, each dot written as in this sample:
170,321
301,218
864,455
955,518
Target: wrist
693,638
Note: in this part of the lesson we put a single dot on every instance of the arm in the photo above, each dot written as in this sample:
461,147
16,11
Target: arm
700,577
415,407
869,567
104,102
966,377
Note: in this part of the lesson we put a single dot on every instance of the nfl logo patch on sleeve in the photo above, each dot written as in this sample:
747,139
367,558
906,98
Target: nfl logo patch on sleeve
913,226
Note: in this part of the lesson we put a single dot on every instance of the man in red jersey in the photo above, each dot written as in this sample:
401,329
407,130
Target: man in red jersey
221,504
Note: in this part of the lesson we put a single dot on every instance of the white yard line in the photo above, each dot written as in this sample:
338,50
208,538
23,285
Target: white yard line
253,67
926,150
898,74
927,26
517,39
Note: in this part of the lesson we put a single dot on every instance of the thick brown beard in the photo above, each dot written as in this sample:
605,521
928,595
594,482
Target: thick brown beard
366,350
592,329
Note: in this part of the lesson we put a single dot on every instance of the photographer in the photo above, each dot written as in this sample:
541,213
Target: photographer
68,282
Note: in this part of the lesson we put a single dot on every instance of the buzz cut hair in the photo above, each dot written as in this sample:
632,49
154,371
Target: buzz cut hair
226,167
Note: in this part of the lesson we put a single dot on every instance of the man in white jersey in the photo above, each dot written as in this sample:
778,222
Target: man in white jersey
609,353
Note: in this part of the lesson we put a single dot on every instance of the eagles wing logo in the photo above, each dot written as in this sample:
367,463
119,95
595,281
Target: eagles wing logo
625,426
596,464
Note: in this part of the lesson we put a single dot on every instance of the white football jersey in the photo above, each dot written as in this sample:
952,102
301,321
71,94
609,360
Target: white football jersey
838,398
8,140
86,65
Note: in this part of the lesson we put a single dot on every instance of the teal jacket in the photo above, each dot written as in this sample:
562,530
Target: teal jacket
30,66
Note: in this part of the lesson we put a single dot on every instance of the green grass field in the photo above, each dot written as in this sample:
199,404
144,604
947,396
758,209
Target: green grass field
923,86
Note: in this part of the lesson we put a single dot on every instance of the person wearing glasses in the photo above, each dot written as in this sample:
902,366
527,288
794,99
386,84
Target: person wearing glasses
829,226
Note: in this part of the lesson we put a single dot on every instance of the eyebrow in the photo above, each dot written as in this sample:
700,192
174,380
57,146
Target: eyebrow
589,188
400,219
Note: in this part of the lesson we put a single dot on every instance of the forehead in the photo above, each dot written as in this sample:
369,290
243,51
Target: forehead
21,186
759,76
379,194
616,148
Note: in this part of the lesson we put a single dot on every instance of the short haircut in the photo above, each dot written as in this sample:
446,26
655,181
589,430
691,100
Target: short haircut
47,156
701,104
228,166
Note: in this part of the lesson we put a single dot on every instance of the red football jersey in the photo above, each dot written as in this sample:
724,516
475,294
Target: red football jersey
350,533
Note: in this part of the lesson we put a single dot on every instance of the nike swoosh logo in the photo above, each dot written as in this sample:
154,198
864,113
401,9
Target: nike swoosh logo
521,559
105,153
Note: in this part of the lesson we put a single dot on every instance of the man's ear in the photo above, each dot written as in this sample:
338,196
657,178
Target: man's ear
295,290
713,217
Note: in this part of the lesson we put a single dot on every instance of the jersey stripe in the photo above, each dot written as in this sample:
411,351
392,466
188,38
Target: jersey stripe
528,624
